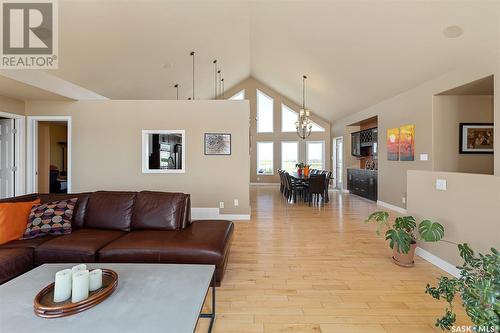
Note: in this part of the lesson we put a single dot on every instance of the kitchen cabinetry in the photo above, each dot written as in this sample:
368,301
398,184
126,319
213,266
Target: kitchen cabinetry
362,182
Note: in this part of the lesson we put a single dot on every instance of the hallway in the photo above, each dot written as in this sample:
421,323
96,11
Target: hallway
295,268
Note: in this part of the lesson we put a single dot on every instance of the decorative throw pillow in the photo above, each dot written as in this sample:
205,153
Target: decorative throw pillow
52,218
13,217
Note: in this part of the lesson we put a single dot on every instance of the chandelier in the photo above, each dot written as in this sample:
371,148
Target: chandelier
303,124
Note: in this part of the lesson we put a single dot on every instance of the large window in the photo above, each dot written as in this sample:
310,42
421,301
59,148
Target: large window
316,128
238,96
288,119
265,151
289,155
264,113
315,154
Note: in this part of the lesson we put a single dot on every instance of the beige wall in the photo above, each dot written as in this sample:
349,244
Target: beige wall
250,86
58,133
11,105
106,147
468,210
448,113
415,106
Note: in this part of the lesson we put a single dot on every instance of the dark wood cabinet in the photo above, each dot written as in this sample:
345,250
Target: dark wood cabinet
364,143
362,182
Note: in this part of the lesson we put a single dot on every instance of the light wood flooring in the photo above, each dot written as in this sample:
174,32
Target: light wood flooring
295,268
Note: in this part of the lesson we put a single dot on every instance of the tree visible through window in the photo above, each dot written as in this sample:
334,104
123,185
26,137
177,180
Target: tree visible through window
289,155
265,151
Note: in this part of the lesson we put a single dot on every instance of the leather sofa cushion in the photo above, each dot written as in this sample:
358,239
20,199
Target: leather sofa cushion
77,247
81,205
14,262
110,210
27,243
203,242
159,211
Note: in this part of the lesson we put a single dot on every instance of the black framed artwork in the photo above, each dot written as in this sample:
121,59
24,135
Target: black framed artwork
476,138
217,144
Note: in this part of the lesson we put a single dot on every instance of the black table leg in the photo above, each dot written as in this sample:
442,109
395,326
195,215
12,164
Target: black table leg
211,315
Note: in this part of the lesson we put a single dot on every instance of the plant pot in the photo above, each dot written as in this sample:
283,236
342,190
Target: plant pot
404,259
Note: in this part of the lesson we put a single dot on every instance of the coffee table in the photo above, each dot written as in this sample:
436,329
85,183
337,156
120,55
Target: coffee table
149,298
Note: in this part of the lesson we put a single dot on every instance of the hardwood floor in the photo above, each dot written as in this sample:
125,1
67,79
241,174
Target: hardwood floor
295,268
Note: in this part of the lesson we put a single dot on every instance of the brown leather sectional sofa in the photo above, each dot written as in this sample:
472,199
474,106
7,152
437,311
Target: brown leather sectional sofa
123,227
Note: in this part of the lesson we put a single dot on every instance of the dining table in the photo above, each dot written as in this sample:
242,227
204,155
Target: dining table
295,175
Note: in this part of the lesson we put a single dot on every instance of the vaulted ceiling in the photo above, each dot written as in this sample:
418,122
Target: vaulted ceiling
355,53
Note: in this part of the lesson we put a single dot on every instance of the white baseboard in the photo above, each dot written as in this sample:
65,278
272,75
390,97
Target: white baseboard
264,184
438,262
214,214
391,207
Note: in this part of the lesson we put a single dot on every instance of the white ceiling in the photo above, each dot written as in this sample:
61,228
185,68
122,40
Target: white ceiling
355,53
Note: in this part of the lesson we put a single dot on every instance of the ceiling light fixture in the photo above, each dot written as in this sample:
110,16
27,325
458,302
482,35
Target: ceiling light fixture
192,55
215,65
453,31
303,124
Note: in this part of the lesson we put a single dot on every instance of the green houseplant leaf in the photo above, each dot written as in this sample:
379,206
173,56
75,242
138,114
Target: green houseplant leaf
380,218
399,238
430,231
406,223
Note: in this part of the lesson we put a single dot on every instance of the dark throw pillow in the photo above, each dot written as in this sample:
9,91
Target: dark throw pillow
53,218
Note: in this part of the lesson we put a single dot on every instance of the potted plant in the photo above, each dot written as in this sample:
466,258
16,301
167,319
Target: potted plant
478,287
299,167
403,235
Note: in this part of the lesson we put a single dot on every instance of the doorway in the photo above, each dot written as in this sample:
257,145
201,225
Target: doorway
339,161
11,152
49,154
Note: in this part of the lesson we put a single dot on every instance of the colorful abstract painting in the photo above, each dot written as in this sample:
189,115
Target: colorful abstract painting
393,144
407,143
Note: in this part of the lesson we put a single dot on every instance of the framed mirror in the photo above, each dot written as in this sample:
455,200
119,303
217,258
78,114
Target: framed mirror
163,151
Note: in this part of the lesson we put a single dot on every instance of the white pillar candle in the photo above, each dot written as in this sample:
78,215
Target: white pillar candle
62,288
77,268
95,279
80,290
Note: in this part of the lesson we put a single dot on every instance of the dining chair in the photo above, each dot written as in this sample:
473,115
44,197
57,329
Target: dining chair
294,189
316,188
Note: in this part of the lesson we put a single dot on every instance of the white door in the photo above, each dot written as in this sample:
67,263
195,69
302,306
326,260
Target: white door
6,158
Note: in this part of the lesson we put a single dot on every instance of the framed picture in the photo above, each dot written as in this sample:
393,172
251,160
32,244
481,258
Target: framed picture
393,144
476,138
407,143
217,144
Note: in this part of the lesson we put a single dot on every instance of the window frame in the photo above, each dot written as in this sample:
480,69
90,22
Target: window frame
239,92
257,92
322,152
257,159
298,151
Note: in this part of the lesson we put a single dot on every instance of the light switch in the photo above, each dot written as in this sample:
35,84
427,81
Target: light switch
441,184
424,157
221,204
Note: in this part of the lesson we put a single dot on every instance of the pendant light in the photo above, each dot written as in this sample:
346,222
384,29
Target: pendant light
215,77
303,125
176,86
222,90
192,55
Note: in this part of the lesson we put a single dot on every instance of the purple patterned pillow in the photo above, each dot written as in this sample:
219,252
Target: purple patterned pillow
53,218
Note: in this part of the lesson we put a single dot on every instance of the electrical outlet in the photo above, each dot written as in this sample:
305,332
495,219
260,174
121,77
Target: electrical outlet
403,199
258,178
236,203
221,204
424,157
441,184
